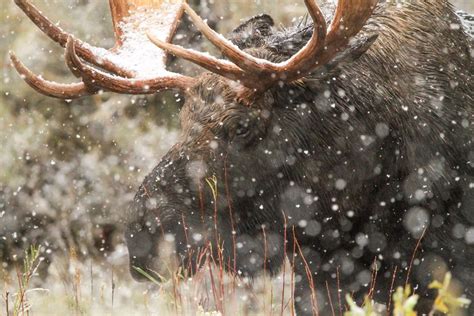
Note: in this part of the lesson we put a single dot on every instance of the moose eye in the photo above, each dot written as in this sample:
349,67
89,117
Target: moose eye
242,131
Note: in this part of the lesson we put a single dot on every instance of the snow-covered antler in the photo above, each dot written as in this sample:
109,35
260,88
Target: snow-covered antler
132,66
136,66
260,74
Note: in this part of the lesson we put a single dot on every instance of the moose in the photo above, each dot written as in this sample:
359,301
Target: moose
344,143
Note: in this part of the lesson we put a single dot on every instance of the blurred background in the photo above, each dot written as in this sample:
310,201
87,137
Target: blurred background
69,169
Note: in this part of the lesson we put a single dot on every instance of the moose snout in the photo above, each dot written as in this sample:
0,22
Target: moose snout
152,254
141,252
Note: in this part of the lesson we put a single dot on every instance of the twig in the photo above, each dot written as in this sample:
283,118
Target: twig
6,303
292,279
330,299
339,290
92,282
213,284
284,266
414,254
113,288
190,251
391,290
231,216
175,293
264,269
309,275
373,279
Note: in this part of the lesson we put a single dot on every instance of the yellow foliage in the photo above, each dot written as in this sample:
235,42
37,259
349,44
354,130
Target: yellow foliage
445,301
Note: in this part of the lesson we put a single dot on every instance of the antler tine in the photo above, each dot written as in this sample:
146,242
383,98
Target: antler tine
349,18
70,61
242,59
220,67
252,64
306,58
254,73
50,88
60,36
252,67
124,85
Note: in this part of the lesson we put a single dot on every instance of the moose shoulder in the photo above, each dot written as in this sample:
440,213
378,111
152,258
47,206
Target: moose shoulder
354,141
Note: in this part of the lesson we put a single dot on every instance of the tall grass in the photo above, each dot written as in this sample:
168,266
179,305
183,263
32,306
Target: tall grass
24,275
210,291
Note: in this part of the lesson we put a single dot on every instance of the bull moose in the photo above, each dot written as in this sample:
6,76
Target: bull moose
349,138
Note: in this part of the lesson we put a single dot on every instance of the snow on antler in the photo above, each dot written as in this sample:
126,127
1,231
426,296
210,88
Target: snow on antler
136,53
133,66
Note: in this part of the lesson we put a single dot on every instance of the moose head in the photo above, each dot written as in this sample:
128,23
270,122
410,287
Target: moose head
246,125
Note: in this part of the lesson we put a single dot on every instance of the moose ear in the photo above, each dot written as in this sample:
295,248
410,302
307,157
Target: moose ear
356,48
252,33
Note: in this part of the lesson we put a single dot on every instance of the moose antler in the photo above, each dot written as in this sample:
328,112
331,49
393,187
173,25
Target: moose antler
118,69
260,74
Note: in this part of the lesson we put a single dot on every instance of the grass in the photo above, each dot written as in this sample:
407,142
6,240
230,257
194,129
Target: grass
77,288
24,275
405,302
92,288
105,287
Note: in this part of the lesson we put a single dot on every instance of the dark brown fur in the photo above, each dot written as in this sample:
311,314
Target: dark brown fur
343,156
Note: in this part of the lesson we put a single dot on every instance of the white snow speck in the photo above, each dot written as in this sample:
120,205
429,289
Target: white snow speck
470,236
